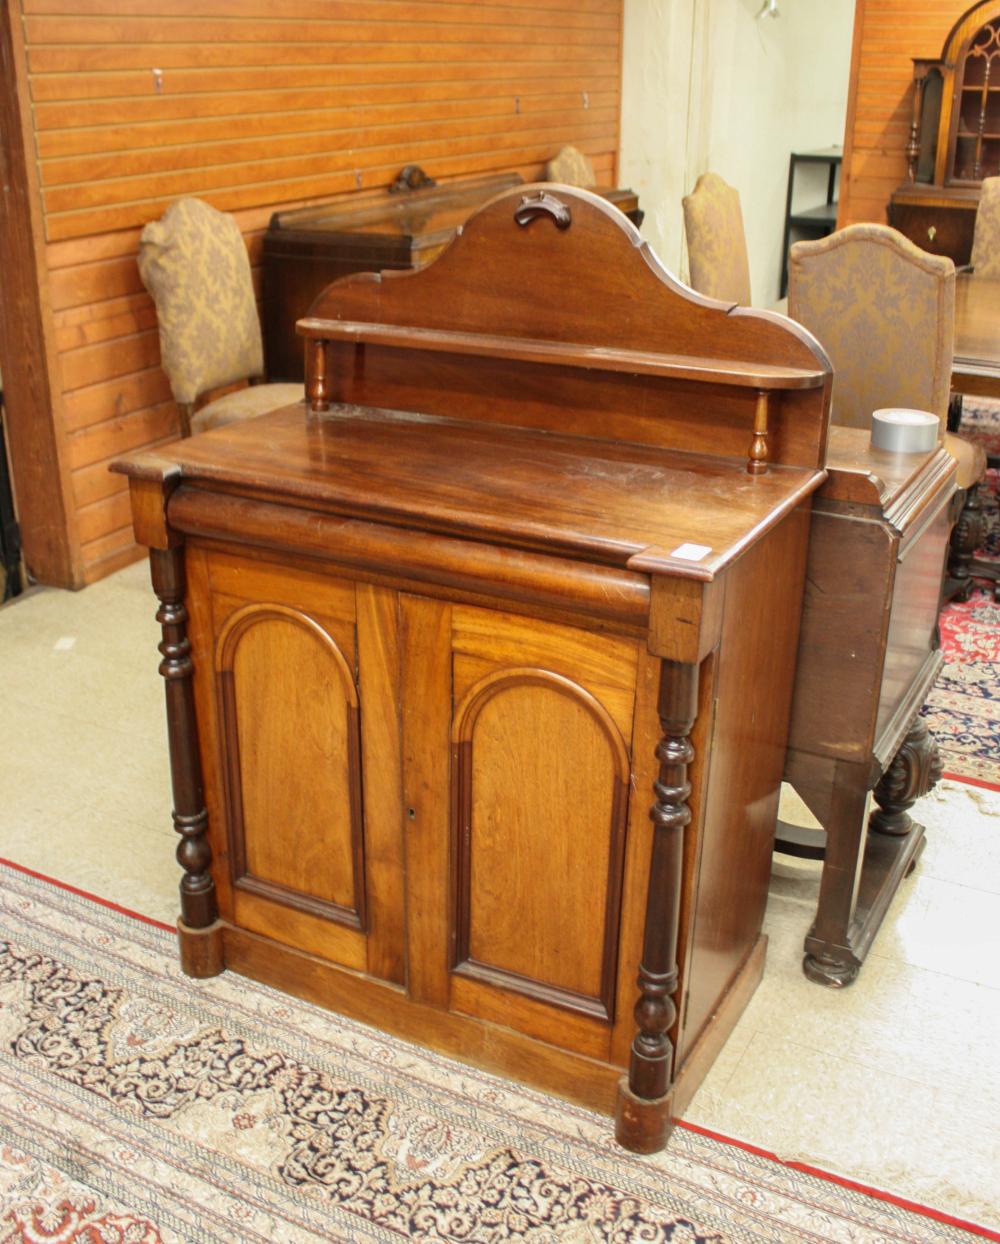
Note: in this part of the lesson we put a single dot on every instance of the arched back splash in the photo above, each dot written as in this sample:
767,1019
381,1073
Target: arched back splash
545,277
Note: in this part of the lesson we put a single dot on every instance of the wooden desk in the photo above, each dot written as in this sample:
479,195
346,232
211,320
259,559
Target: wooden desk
868,655
307,248
433,646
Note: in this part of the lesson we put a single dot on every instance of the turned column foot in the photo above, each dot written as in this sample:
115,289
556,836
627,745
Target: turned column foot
915,769
642,1125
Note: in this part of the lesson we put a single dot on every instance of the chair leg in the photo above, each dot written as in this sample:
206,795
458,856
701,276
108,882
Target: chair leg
965,539
954,412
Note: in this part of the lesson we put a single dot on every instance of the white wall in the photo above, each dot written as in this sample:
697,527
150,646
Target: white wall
706,85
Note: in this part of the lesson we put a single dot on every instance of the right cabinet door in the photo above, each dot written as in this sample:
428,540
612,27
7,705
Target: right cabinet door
517,741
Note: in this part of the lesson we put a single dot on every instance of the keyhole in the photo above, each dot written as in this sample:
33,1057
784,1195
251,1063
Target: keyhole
411,813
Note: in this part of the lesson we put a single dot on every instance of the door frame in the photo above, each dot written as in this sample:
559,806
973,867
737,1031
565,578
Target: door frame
32,389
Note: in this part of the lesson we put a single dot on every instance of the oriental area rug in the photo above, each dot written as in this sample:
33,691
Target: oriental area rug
140,1107
963,708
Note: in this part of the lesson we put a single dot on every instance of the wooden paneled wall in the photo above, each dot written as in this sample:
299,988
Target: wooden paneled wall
887,35
251,105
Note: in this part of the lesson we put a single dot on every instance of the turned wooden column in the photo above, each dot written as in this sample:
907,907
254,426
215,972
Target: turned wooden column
643,1116
200,934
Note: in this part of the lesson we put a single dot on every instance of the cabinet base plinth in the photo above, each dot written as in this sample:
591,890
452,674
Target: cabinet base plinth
641,1125
201,950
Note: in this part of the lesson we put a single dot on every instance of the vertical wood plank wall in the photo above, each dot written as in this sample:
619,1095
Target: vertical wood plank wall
888,34
251,105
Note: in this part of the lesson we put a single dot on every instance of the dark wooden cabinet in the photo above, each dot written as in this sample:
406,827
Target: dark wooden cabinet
954,137
305,249
479,666
868,654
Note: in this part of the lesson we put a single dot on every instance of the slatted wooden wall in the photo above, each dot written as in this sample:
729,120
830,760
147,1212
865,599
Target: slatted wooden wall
251,104
888,34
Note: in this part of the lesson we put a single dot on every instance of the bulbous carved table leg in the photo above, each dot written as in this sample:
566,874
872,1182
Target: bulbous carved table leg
199,930
642,1121
915,769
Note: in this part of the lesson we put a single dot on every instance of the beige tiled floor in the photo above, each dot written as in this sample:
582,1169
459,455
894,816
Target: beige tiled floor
893,1081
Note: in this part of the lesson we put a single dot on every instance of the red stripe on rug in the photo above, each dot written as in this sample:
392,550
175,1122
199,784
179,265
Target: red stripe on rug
877,1193
986,1233
971,781
94,898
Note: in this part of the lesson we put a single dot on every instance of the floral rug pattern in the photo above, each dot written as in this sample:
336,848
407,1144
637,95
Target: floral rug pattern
963,708
140,1107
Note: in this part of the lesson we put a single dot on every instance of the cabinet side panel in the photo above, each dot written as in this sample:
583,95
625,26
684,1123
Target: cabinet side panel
913,620
842,639
755,668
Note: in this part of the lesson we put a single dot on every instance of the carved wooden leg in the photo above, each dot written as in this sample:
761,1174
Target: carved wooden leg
915,769
830,958
965,539
643,1116
200,932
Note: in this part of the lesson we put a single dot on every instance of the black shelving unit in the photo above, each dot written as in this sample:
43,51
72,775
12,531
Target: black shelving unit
814,222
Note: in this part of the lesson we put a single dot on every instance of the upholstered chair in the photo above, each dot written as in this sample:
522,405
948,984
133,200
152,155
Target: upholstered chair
717,245
571,168
194,263
884,311
986,239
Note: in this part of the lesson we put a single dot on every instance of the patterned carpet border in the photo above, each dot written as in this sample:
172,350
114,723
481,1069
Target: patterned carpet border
140,1107
963,708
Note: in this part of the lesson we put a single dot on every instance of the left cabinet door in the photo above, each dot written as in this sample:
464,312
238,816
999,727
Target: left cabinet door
296,678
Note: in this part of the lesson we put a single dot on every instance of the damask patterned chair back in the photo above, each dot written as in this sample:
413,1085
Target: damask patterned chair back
571,168
717,244
885,313
986,239
194,263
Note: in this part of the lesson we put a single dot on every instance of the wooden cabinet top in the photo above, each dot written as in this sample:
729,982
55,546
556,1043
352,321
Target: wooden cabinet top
423,217
420,219
896,485
546,385
636,506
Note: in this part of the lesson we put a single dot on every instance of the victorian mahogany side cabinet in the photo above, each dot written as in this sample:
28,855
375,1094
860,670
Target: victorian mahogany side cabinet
479,664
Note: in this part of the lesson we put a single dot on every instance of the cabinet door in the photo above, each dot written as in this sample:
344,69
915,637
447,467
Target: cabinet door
300,734
517,737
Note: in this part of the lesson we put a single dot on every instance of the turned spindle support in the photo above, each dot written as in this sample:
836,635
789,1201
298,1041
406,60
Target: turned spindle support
317,379
200,933
642,1121
757,462
913,145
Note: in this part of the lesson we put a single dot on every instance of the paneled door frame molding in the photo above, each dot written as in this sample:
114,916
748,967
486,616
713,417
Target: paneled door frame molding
32,393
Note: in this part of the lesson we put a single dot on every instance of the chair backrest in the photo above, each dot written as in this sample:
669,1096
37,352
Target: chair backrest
571,168
717,245
986,239
194,263
884,310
